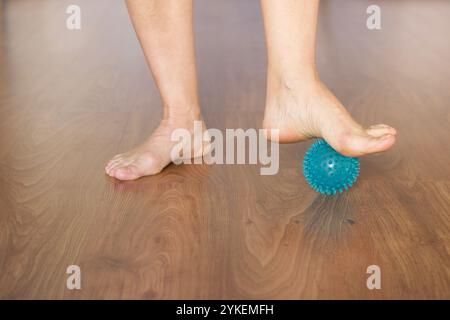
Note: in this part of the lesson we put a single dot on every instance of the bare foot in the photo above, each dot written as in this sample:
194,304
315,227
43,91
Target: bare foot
303,111
154,154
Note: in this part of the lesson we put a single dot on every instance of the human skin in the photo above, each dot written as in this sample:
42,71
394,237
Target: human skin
298,103
165,31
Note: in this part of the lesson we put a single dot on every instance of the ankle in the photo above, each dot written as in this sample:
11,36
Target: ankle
296,80
182,113
282,87
291,76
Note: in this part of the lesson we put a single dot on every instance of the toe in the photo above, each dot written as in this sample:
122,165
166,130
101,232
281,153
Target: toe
117,156
112,165
379,144
118,165
380,130
112,162
356,145
129,172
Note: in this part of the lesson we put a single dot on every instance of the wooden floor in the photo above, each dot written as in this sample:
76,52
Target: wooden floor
69,100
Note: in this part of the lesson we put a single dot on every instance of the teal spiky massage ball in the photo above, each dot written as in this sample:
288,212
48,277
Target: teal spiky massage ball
327,171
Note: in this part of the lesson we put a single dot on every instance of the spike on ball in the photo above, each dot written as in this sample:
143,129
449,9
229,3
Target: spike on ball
327,171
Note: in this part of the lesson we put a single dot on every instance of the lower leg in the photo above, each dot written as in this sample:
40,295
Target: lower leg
298,103
165,31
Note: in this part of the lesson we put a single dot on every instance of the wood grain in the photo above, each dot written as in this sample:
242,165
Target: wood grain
69,100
